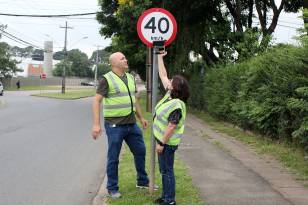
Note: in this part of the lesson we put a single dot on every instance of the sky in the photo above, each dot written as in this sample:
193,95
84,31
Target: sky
85,33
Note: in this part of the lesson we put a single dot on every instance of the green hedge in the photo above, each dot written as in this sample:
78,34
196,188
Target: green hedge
267,94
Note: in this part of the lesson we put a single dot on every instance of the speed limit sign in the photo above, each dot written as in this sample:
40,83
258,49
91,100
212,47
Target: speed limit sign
156,24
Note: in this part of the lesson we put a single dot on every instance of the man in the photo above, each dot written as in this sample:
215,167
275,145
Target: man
117,89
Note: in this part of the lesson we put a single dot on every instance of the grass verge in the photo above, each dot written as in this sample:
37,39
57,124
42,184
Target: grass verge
69,95
289,155
186,193
50,87
24,88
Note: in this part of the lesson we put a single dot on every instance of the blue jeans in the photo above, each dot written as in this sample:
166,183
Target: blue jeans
166,162
132,135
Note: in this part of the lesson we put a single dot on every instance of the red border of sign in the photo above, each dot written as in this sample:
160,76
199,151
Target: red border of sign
144,14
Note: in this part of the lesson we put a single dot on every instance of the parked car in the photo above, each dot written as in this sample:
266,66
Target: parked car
88,83
1,89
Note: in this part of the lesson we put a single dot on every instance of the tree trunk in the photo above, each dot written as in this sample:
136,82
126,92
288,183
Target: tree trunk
305,15
276,12
235,11
261,16
238,16
250,5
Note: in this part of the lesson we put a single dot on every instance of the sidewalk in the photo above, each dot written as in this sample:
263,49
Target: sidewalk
235,175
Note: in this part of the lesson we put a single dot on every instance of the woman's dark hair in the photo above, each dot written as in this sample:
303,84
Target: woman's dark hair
180,88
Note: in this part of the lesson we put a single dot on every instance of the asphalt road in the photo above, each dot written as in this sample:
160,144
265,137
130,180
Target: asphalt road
47,156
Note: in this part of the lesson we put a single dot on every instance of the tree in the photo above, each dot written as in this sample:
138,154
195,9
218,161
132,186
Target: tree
102,70
242,13
77,64
21,52
59,55
120,19
103,62
38,52
7,65
103,56
209,33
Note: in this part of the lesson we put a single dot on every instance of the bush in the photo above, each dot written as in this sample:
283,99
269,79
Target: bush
267,94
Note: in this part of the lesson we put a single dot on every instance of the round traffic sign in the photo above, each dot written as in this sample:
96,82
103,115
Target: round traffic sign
43,75
156,24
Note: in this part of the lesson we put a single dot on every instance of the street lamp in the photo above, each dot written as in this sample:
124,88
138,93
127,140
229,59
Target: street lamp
85,37
97,61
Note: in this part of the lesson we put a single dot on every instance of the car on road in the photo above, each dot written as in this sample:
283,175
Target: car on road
1,89
91,83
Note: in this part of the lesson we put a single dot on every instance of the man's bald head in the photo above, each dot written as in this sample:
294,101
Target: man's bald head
117,60
115,57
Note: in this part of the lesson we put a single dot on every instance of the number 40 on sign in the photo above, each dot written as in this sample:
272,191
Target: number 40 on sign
156,24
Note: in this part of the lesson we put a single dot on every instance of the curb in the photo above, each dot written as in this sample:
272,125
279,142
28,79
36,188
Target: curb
101,196
2,103
102,193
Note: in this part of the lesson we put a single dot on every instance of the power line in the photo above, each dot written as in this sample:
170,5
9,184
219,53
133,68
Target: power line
14,39
84,18
297,24
19,39
47,16
279,20
287,26
21,34
257,23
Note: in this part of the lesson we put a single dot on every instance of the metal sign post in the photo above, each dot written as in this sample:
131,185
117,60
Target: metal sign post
149,72
154,100
41,84
156,28
157,45
42,76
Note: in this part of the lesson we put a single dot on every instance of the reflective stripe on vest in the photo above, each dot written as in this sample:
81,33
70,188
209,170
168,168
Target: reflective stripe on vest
120,100
163,110
155,127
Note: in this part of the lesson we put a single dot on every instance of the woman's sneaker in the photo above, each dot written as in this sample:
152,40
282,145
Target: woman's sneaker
170,203
146,186
159,200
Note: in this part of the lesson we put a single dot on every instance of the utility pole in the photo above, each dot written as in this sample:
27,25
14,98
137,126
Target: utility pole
65,55
97,60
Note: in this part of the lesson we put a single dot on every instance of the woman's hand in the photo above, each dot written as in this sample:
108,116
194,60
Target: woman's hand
162,54
159,149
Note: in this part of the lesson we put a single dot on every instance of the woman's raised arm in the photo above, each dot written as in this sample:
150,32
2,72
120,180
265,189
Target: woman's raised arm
162,71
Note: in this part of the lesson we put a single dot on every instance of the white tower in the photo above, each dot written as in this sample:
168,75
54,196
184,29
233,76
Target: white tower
48,53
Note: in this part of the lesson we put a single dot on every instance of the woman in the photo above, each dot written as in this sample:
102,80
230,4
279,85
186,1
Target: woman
168,128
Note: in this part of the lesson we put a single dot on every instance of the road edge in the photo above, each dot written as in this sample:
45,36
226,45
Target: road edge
101,195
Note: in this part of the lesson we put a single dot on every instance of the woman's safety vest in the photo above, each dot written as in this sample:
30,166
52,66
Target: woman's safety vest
121,100
163,110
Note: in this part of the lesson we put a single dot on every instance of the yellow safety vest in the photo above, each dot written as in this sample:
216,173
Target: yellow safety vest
163,110
121,100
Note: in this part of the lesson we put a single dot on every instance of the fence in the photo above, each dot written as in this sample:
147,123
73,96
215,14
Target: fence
35,81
